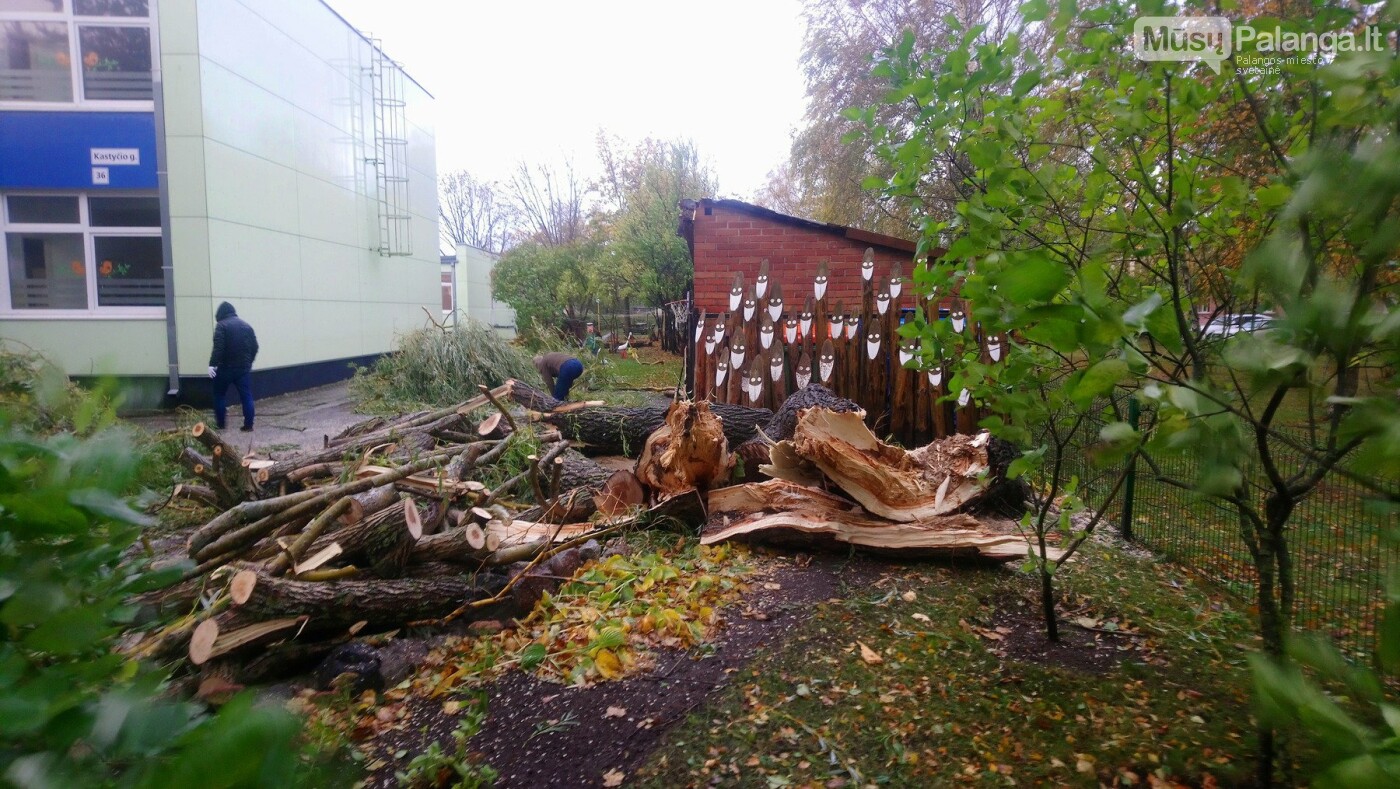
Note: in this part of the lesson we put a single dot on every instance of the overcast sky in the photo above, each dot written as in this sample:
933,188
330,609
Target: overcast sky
534,81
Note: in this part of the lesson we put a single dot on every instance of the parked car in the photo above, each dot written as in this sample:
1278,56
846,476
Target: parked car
1228,325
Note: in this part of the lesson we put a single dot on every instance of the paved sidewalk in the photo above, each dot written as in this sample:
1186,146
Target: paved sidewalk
301,418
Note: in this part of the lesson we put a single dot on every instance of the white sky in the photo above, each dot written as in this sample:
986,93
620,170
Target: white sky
534,80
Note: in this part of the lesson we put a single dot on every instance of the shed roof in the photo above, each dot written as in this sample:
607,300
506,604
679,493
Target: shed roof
853,233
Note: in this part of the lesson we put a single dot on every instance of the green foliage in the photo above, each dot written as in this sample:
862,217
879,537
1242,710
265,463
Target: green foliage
73,712
437,366
436,767
545,284
1105,202
1355,749
38,396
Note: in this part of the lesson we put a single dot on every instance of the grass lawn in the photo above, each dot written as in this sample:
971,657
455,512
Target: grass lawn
958,687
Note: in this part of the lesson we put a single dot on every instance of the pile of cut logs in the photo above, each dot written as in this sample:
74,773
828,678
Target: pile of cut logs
393,522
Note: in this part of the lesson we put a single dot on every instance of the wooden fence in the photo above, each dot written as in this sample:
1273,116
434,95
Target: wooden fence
766,347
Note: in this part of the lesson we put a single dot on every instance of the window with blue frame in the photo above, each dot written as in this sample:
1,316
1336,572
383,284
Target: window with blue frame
75,51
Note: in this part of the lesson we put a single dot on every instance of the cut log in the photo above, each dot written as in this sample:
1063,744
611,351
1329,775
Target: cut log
336,605
901,485
621,494
241,586
608,430
494,426
780,512
689,452
465,544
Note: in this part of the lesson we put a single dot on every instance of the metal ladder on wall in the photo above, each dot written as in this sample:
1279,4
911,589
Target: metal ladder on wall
390,156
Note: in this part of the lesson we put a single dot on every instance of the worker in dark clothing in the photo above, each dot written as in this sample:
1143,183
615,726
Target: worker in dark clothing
235,348
559,371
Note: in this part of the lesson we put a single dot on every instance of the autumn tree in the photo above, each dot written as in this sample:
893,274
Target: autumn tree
830,163
474,212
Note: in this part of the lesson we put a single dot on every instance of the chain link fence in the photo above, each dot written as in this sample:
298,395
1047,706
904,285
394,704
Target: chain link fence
1337,537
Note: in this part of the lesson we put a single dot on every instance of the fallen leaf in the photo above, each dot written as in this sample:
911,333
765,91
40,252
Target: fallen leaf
451,707
922,618
772,587
615,712
1084,765
869,655
613,777
1084,621
909,597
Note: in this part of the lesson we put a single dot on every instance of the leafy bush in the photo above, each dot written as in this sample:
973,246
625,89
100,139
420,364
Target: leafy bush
38,396
73,712
439,366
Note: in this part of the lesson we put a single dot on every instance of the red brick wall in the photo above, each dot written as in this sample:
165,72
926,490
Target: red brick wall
729,240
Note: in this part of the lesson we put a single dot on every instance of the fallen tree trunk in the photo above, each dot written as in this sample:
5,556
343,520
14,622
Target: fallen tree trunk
891,482
783,513
334,605
611,430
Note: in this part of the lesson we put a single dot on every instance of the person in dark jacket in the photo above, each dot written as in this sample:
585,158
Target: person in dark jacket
235,348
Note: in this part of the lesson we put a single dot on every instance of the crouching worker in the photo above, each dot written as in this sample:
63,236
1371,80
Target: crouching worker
559,371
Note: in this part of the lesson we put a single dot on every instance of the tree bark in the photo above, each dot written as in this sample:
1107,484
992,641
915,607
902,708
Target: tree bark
688,452
333,605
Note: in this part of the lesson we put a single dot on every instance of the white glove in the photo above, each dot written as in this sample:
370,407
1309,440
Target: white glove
213,371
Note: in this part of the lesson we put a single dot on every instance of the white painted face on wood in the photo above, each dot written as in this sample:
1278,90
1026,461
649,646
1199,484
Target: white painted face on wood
994,349
907,351
790,330
765,334
872,343
775,307
760,285
736,292
935,376
882,302
852,326
721,373
750,307
700,327
819,284
804,321
710,345
963,398
754,387
834,326
826,363
867,266
719,328
803,373
736,354
775,367
896,282
959,319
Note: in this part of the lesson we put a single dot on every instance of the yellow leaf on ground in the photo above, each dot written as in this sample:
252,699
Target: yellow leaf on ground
608,665
869,655
615,712
909,597
613,777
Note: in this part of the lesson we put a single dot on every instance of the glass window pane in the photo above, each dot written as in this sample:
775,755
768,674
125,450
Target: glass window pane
34,62
46,271
43,210
45,6
124,212
111,7
128,272
116,63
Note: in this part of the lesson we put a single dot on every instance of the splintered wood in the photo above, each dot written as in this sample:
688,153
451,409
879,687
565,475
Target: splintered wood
902,503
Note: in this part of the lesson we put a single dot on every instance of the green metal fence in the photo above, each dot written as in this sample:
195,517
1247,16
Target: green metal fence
1340,553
